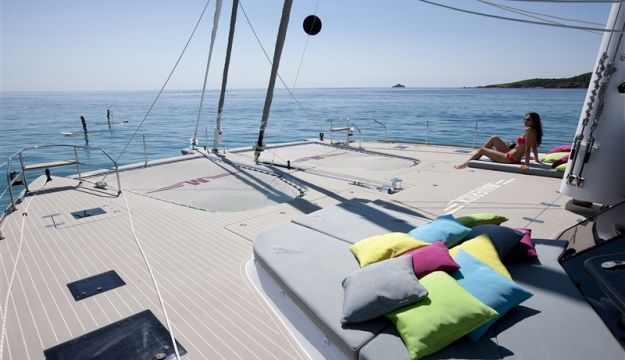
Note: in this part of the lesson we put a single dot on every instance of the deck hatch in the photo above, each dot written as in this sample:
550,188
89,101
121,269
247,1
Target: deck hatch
138,337
93,285
88,213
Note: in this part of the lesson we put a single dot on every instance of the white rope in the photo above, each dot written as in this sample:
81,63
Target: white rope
5,306
147,264
208,62
525,21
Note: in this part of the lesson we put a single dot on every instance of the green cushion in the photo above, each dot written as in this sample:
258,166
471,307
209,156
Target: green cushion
448,313
561,167
481,219
553,157
382,247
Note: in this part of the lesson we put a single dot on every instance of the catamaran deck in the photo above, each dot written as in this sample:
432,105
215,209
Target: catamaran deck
196,219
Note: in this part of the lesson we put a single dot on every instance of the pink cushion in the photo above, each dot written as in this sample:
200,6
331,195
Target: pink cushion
433,257
524,250
561,148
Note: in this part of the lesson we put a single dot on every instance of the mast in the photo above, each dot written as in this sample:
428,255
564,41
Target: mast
284,22
218,3
220,108
595,172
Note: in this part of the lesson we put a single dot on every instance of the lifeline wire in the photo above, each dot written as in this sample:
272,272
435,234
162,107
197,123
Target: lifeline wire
524,21
147,264
5,306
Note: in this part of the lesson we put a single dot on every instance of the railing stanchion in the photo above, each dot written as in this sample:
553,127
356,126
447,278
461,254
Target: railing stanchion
474,135
77,164
384,126
145,151
23,172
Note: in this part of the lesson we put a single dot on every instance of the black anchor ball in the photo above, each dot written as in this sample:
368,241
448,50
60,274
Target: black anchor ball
312,25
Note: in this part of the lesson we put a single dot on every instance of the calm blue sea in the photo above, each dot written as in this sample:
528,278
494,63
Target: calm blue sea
29,119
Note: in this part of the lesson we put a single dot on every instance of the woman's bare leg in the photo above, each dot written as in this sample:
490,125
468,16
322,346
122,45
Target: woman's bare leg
498,154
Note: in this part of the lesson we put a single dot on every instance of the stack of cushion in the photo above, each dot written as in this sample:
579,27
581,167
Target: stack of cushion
558,157
440,282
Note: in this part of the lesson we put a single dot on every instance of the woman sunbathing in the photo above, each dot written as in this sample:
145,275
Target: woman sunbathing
498,151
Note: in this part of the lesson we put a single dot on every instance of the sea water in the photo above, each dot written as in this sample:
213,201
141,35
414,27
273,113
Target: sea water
462,116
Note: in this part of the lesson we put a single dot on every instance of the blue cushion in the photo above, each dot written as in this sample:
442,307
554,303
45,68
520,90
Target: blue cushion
444,228
489,286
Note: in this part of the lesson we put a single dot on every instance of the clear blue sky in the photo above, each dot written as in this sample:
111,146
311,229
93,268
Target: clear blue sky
132,45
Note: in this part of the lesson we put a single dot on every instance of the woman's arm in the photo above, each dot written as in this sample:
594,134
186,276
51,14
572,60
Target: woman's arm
530,143
536,155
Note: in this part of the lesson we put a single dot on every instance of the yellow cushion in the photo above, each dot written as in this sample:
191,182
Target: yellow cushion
382,247
482,248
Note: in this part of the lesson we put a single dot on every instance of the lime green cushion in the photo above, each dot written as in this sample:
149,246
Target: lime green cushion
561,167
481,219
382,247
482,248
448,313
553,157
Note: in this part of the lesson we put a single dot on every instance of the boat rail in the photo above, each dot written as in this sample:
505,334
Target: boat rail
19,177
350,127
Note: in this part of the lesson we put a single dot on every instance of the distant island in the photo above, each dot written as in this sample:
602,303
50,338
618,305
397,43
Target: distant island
579,81
399,86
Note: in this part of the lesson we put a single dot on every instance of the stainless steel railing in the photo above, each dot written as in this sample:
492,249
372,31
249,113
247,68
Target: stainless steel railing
19,177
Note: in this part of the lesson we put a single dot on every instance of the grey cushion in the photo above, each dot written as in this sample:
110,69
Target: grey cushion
380,288
386,345
503,237
311,267
535,168
352,221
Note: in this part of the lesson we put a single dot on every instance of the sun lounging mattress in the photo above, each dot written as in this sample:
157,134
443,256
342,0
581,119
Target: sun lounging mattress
311,266
556,323
352,221
535,168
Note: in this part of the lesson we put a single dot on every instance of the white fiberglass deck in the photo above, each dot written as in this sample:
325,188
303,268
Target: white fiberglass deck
198,256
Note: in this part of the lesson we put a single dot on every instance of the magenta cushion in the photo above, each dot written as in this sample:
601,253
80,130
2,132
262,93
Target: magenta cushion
561,148
524,250
433,257
562,160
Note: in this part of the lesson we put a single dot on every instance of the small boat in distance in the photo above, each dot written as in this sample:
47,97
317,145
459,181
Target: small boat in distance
398,85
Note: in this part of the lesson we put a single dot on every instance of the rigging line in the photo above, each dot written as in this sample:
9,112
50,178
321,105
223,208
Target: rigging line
5,306
279,77
519,20
208,61
152,277
570,1
171,73
525,12
301,61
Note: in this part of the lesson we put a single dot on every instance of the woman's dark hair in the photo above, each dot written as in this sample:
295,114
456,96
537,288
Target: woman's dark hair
537,126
